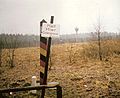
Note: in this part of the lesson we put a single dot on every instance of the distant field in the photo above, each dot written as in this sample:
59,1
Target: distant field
79,76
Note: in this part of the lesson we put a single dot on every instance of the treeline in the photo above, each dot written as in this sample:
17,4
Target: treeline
85,37
13,41
18,41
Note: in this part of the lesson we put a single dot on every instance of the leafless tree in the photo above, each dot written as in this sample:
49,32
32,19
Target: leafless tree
2,44
98,31
12,44
1,47
76,30
118,32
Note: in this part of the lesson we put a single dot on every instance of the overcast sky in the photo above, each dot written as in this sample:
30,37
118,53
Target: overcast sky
23,16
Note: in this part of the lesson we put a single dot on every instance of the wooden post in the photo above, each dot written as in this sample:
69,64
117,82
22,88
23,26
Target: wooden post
48,53
42,74
59,92
47,60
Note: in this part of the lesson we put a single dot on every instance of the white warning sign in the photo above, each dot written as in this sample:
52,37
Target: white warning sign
50,30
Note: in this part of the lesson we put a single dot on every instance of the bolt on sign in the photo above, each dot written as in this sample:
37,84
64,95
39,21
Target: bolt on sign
50,30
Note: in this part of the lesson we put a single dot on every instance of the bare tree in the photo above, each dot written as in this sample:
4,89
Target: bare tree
1,47
76,30
12,44
118,33
98,31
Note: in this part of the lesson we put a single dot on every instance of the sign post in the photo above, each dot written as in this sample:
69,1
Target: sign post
45,44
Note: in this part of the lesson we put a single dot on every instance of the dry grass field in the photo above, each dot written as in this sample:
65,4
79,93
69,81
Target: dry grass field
79,75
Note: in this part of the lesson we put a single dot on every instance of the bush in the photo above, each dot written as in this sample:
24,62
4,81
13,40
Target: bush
109,48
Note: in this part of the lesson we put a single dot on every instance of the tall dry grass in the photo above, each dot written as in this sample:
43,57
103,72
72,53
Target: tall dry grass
109,48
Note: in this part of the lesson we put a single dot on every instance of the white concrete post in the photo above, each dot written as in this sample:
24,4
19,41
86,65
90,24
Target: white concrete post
33,83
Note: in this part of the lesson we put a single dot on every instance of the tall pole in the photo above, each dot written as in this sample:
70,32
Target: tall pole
48,52
47,60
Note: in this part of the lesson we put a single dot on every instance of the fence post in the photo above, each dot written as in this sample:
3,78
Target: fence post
59,91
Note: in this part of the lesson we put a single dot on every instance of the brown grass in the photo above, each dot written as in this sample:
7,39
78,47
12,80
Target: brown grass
83,77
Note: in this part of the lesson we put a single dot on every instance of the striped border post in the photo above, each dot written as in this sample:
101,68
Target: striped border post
43,57
43,51
45,44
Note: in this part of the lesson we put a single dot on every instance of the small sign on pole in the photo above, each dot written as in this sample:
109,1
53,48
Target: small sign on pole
50,30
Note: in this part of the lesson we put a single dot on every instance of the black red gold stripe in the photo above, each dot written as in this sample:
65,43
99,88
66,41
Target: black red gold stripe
42,63
43,45
41,77
43,58
44,40
43,52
